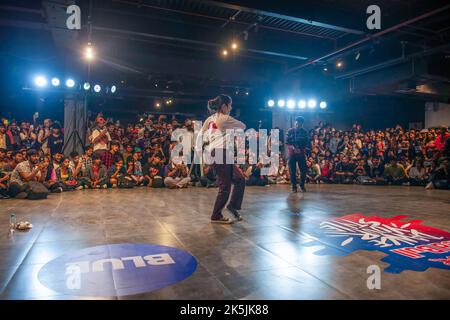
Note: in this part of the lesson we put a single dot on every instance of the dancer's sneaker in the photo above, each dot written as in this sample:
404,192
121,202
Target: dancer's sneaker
294,189
222,220
235,213
303,189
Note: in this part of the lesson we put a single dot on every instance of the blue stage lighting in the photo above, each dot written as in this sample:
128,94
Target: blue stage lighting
70,83
55,82
281,103
86,86
113,89
302,104
291,104
323,105
312,103
271,103
97,88
40,81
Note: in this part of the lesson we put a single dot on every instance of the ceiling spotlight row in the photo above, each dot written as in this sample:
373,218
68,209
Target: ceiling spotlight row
301,104
41,82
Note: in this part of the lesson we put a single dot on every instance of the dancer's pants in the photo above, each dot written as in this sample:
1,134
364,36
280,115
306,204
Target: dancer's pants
228,174
299,159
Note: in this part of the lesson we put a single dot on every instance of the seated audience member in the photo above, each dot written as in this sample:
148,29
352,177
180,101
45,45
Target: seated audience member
361,175
26,172
86,158
154,172
439,142
97,174
375,169
3,161
395,173
326,171
16,158
417,173
51,180
65,176
440,177
134,170
313,171
4,180
255,178
128,152
209,177
177,176
117,174
344,171
110,156
55,140
5,140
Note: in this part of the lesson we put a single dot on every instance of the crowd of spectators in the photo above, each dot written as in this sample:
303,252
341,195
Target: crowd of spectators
138,154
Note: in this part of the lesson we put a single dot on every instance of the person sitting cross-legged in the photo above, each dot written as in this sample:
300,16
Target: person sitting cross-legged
395,173
97,174
177,177
65,176
154,172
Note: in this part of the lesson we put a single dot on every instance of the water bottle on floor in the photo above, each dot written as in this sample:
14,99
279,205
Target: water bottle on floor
12,223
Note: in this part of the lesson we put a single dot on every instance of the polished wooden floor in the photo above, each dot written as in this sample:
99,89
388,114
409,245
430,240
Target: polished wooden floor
262,257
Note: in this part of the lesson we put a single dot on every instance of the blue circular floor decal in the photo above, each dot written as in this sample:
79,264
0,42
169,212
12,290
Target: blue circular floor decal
117,270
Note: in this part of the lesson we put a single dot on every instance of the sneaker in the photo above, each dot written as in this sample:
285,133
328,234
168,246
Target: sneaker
294,189
303,189
104,186
21,195
429,186
222,220
235,213
79,188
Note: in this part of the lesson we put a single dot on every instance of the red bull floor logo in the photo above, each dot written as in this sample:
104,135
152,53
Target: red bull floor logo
409,245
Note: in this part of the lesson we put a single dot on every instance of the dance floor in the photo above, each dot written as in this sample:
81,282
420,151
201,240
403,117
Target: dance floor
289,246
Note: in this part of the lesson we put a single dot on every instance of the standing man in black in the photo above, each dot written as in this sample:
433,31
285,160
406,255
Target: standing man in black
297,143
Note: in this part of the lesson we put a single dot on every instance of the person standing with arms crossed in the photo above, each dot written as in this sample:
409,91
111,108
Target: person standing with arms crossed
297,143
227,173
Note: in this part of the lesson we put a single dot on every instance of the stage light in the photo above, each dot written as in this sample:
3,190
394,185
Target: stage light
281,103
302,104
270,103
225,53
86,86
70,83
89,53
325,69
157,105
97,88
113,89
323,104
40,81
312,103
358,54
339,64
55,82
291,104
234,46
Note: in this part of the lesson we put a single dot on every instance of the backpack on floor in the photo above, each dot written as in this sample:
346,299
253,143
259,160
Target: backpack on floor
37,191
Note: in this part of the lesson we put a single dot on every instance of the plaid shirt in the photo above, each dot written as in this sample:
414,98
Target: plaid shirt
108,159
297,141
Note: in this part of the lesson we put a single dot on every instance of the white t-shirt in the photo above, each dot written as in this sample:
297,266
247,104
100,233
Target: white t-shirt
101,144
215,128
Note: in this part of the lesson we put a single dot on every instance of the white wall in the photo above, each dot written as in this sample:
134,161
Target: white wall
437,114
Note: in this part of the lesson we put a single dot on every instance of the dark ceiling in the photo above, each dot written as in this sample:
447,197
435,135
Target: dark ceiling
173,48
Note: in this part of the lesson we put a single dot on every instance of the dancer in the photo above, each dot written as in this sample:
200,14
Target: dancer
227,173
297,143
